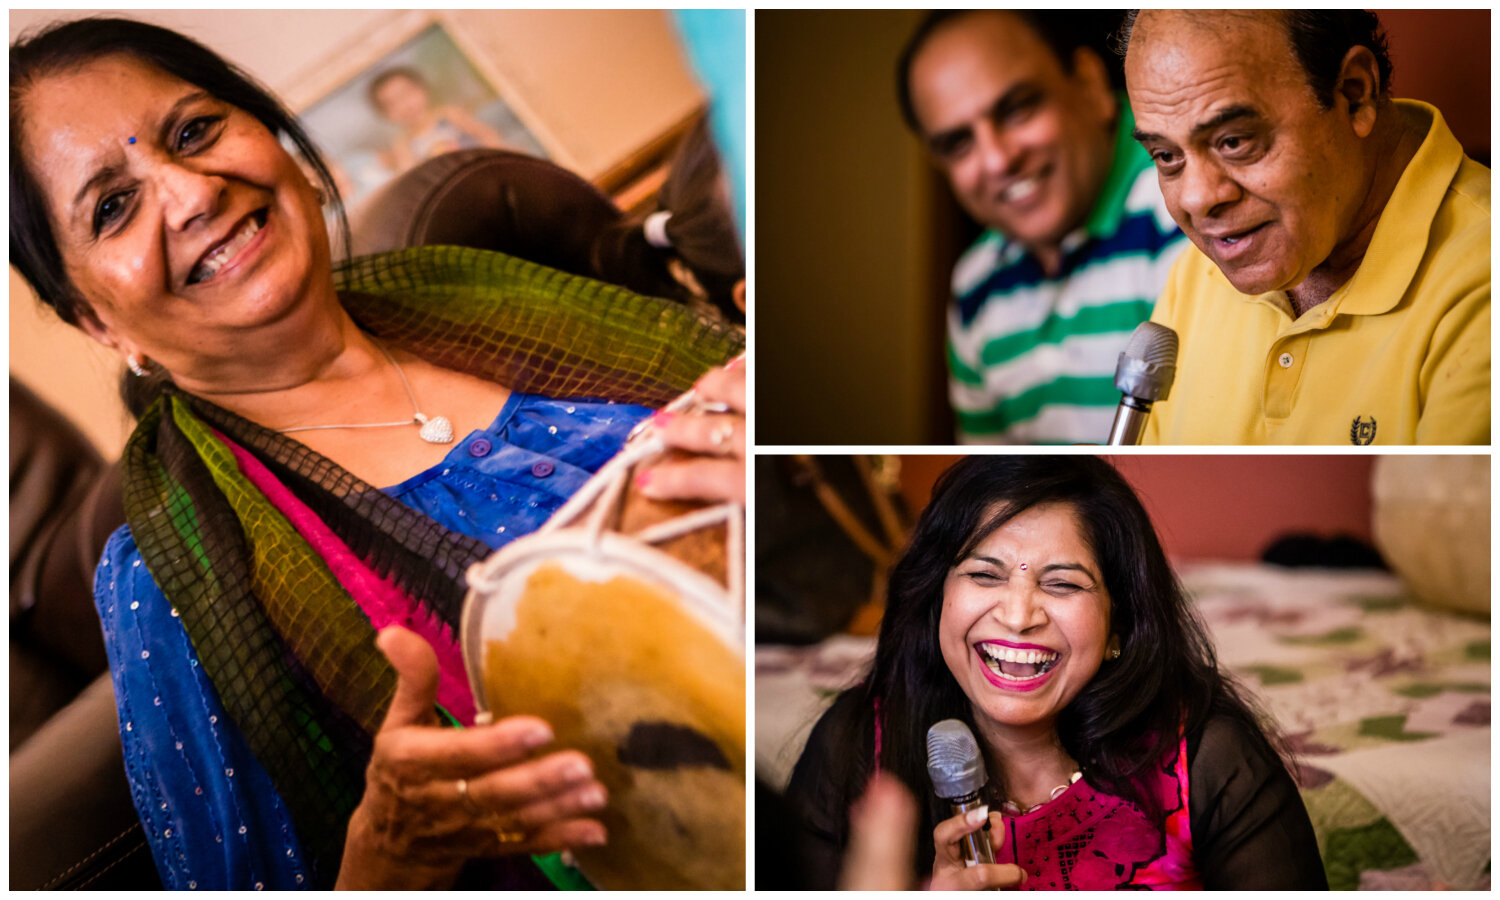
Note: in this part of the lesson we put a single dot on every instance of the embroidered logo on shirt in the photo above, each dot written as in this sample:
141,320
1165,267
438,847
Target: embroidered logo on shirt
1362,432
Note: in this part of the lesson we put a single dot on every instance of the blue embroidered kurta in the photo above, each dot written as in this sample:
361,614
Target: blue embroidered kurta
211,814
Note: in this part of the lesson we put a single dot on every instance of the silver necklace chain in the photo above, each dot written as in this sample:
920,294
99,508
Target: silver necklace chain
434,430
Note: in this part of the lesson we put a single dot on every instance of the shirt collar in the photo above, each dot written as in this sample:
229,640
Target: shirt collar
1402,234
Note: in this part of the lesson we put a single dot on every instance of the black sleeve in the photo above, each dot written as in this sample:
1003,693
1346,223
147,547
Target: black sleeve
817,798
1250,829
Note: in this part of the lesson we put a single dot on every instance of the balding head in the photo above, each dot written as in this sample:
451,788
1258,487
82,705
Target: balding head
1319,39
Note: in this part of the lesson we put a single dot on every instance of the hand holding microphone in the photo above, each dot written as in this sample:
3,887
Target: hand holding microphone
965,842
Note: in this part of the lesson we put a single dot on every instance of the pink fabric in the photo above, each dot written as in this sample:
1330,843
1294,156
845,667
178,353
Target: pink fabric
382,601
1089,840
1174,868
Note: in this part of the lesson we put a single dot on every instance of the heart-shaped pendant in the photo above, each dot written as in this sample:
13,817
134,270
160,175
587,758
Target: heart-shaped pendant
436,430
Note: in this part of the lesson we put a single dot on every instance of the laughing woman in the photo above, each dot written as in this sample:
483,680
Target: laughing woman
1034,603
269,740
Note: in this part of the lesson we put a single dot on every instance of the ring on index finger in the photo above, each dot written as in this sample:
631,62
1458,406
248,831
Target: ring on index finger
468,800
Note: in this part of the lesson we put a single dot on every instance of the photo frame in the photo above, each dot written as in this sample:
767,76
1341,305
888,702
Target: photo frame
407,92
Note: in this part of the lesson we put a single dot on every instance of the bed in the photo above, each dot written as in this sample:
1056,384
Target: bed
1386,704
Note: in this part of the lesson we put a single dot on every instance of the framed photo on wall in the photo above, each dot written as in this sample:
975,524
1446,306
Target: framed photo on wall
408,93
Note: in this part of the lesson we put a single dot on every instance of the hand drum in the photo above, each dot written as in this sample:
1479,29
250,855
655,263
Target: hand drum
621,623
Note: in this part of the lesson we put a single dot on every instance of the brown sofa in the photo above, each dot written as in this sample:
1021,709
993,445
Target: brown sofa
72,823
491,199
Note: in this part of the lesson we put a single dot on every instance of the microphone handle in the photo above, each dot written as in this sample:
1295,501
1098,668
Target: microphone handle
1130,421
974,846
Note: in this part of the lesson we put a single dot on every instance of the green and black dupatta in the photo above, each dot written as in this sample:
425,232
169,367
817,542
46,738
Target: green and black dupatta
275,622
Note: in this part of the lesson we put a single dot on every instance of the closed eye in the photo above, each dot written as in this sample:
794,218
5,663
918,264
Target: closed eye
983,577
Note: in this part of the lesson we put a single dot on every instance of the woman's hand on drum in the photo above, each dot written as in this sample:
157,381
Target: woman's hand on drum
948,870
717,471
436,797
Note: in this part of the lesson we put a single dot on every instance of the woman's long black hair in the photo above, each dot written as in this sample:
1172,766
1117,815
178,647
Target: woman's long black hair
1126,720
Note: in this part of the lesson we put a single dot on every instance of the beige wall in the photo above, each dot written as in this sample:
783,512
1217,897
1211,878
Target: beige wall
66,369
605,82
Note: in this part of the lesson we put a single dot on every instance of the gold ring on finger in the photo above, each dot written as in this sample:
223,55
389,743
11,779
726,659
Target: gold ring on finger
510,837
470,804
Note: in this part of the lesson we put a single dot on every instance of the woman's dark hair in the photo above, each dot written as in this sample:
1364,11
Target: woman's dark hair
1129,716
1065,31
1320,39
70,45
701,230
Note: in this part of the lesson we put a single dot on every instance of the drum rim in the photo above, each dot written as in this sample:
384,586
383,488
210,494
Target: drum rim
700,596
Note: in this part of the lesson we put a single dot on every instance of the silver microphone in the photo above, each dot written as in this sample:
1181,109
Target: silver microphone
1144,375
957,770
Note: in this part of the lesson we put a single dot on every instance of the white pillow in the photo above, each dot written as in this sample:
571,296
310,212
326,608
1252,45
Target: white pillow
1432,525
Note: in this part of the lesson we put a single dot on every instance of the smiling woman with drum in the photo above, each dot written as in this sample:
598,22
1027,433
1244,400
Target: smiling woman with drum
268,741
1034,604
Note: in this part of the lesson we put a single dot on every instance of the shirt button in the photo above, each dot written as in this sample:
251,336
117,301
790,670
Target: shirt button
542,469
1286,360
479,447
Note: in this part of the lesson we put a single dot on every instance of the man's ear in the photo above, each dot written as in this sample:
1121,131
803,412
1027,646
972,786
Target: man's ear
1090,73
1360,88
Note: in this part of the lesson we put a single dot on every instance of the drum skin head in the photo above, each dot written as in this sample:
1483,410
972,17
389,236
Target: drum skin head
643,682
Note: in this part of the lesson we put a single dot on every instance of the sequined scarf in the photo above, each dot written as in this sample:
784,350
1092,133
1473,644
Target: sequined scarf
282,565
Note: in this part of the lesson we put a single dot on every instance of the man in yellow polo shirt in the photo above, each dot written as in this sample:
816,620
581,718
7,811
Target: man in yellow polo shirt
1340,288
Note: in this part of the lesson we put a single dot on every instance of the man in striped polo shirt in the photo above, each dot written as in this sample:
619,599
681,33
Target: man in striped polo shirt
1017,109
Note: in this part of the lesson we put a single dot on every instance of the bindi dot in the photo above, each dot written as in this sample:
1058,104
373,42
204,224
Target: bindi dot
1024,567
131,140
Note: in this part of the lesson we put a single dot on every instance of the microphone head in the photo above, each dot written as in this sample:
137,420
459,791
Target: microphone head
1149,364
953,760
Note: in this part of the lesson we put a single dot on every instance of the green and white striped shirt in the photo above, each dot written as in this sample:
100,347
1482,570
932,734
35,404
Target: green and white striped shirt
1031,359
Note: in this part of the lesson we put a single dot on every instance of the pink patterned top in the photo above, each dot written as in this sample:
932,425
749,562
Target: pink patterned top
1089,840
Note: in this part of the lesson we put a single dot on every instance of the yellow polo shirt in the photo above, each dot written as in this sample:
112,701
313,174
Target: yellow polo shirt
1399,355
